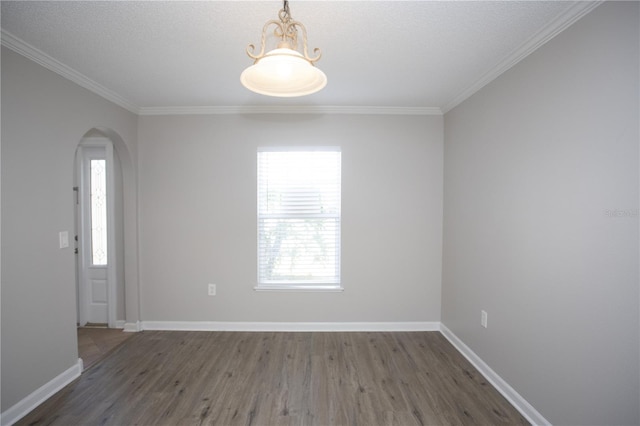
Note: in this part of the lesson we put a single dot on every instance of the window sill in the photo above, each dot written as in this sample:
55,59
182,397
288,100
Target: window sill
319,288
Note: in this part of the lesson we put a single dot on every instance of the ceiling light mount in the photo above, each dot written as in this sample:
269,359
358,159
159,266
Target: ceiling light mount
284,71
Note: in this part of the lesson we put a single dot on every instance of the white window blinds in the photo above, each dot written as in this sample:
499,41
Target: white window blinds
299,218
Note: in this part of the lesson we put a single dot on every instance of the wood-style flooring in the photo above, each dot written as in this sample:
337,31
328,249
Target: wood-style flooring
96,342
235,378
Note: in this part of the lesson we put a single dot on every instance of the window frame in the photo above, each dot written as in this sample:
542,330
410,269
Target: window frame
295,285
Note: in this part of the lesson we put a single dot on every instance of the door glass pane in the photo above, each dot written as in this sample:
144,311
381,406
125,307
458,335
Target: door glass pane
98,212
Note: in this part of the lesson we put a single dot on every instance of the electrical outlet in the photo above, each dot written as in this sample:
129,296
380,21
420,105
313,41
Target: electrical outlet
212,289
483,318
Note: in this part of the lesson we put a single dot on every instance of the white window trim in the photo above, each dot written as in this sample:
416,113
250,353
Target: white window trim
320,287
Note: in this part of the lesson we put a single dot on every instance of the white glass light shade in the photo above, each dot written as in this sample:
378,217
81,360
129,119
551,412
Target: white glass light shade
283,72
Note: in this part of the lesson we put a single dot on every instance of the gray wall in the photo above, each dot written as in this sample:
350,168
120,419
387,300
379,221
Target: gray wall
198,217
536,165
44,117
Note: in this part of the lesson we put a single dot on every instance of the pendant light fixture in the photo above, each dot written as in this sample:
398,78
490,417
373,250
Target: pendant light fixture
284,71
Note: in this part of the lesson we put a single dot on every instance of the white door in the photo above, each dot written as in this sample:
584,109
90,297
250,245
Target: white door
94,190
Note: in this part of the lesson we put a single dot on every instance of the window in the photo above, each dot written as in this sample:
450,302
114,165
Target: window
98,183
299,219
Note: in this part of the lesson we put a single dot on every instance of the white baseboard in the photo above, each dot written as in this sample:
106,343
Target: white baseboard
289,326
40,395
521,404
120,324
132,327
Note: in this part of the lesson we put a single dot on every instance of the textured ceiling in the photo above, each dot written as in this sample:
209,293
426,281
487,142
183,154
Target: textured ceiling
405,54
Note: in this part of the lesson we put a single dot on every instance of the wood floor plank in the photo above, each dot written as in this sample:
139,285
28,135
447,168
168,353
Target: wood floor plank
284,379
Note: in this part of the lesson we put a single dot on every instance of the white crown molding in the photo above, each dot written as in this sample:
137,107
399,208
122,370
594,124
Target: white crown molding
19,46
521,404
305,109
14,43
555,27
289,326
559,24
40,395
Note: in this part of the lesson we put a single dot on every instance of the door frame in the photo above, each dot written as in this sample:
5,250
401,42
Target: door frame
83,214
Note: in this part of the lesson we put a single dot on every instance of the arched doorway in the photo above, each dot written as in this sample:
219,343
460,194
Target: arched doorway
110,299
99,236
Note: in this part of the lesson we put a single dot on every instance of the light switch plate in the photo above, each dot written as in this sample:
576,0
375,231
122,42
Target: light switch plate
64,239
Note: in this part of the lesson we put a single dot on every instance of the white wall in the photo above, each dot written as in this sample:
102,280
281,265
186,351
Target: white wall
533,164
198,217
44,117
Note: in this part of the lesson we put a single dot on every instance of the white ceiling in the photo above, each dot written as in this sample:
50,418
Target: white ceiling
154,55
